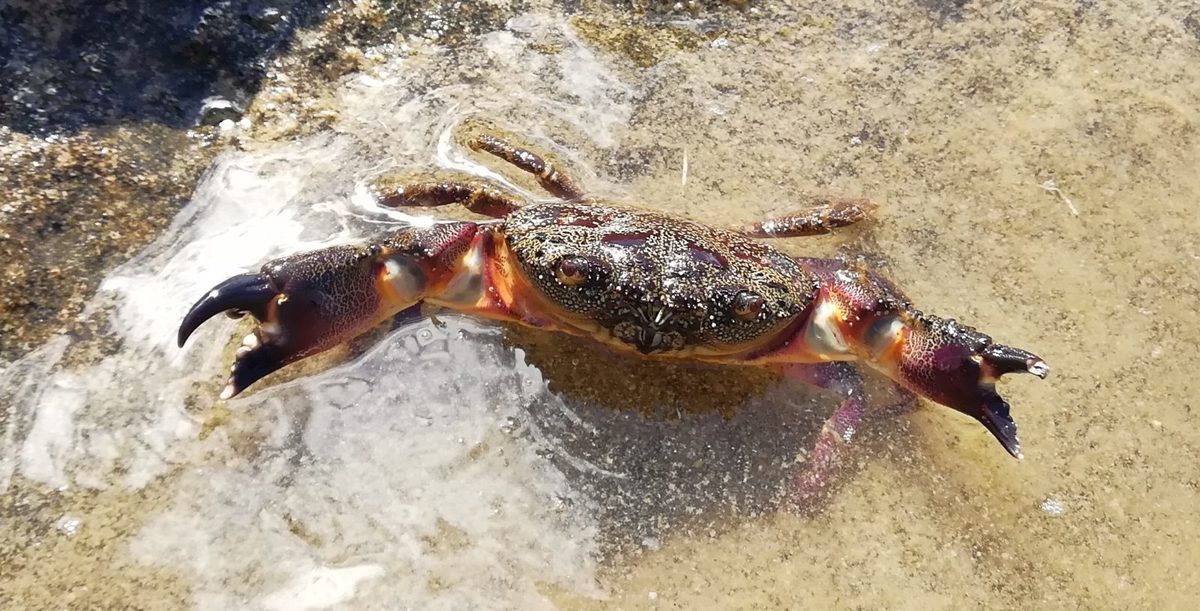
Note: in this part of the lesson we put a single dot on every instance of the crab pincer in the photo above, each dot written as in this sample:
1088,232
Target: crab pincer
309,302
958,367
863,316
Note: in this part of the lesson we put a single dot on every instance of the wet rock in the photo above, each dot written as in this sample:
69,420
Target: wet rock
76,206
216,111
81,196
71,65
266,18
644,45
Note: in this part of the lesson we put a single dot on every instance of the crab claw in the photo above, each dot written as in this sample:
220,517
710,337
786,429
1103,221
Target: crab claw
958,367
237,295
312,301
304,303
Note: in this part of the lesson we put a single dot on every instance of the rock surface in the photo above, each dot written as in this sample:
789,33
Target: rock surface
1036,165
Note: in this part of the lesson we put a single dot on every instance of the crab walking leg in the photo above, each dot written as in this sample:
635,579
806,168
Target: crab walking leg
819,215
309,302
476,197
553,181
812,479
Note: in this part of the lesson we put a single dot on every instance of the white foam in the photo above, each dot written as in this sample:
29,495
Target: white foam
320,588
378,460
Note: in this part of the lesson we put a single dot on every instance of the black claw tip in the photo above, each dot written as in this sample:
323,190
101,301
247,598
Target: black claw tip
252,366
994,415
1038,367
247,292
1003,359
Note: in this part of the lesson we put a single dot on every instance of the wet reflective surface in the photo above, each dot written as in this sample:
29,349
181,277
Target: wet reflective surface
1036,179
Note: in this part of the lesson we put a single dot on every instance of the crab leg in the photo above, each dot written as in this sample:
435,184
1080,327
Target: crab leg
819,215
838,429
553,181
476,197
309,302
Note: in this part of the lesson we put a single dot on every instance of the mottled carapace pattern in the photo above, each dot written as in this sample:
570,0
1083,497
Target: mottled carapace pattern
660,284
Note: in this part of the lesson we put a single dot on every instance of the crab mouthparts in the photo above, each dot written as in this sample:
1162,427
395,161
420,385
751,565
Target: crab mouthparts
650,340
649,329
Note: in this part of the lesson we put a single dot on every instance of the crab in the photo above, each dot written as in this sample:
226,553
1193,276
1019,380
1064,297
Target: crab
647,284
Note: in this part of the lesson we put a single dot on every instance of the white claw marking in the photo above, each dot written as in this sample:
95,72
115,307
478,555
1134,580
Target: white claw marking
249,342
661,317
1039,369
242,351
823,336
270,329
227,392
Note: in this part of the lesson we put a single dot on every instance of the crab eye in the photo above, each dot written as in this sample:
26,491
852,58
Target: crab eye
748,305
572,271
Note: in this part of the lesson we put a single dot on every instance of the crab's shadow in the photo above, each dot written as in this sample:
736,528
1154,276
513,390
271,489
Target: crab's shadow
662,448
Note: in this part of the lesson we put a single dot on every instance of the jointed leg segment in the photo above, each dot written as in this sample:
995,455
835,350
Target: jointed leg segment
476,197
814,476
557,183
819,215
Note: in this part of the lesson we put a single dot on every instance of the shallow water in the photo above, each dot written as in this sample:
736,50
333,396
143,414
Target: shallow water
1035,169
